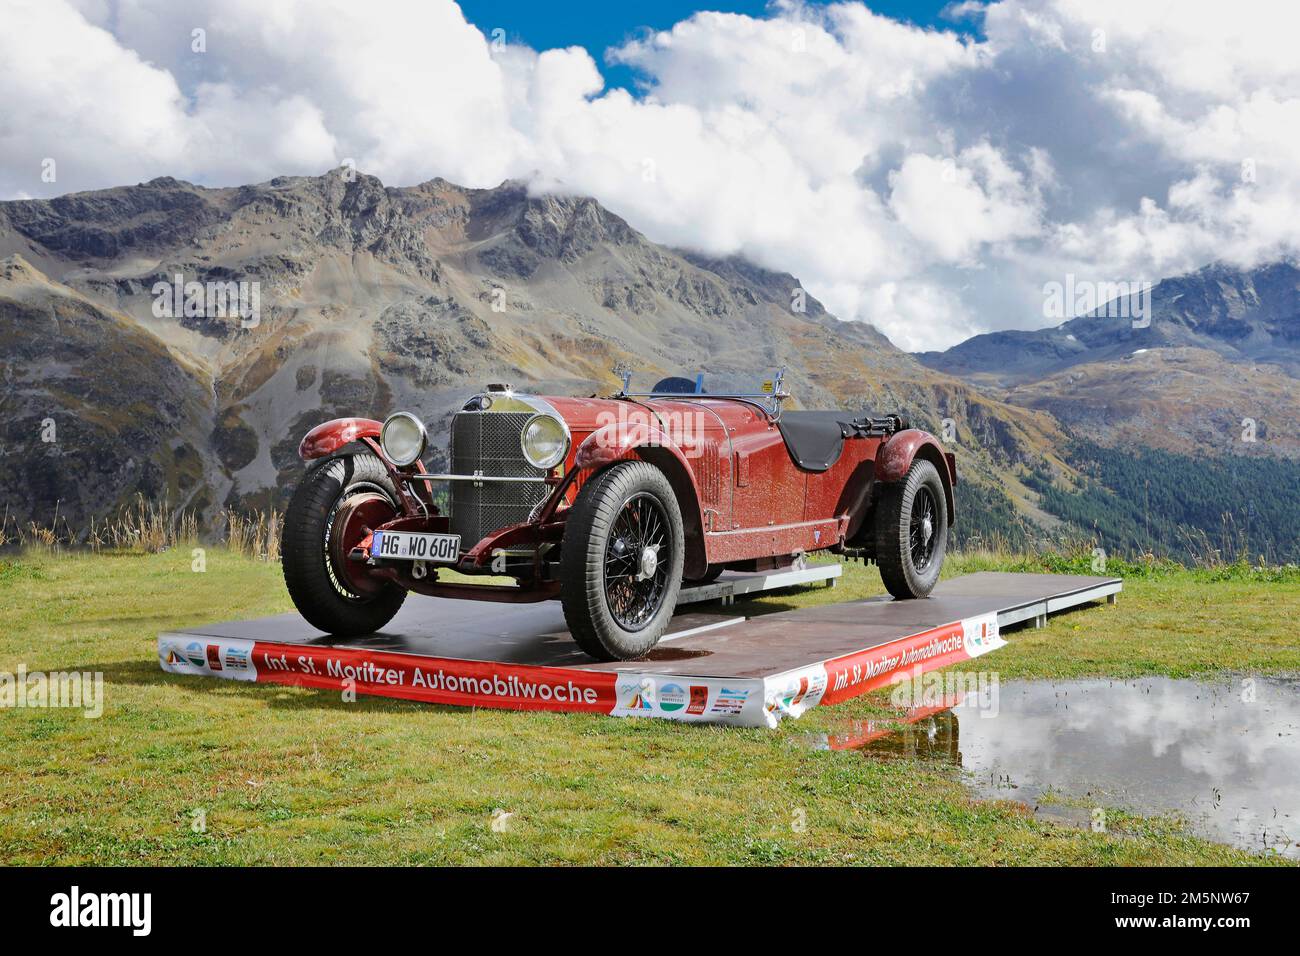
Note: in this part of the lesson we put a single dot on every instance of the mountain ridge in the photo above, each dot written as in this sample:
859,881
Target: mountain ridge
374,298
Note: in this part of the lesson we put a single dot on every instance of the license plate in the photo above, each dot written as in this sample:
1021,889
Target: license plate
411,546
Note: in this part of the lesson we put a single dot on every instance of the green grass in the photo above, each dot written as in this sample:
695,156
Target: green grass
288,775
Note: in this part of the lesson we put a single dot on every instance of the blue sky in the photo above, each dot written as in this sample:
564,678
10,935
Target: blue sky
602,24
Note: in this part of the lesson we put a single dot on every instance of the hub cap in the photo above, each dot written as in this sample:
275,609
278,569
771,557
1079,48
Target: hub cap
357,511
649,561
636,577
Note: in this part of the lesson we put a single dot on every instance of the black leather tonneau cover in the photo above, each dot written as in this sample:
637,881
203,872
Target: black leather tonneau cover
816,439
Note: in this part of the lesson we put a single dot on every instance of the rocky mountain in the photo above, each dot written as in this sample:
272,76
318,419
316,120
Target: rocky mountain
358,298
1240,316
1212,368
94,408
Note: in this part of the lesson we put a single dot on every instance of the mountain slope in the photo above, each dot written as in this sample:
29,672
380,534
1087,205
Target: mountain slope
92,407
1190,401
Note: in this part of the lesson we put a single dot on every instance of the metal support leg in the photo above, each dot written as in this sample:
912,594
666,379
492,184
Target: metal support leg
1112,598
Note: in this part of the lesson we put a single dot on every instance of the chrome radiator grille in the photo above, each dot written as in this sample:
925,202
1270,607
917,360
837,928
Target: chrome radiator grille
489,442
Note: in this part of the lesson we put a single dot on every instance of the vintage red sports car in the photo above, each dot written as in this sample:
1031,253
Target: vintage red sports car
608,504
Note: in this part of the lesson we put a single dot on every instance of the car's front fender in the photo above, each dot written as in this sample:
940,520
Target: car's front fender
623,441
618,441
328,437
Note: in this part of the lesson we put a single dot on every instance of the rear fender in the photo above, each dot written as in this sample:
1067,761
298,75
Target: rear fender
895,456
628,441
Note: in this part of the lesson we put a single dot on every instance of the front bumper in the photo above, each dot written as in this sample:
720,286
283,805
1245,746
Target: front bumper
480,479
524,546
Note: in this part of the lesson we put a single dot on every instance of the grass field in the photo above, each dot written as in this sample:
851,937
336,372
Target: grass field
287,775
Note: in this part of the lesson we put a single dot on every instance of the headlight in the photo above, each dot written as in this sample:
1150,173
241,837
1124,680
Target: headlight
403,438
545,441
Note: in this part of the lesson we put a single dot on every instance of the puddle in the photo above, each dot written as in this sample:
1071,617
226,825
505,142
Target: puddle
1225,757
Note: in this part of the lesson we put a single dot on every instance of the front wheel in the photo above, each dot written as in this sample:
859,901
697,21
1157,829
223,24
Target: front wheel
336,501
621,562
912,532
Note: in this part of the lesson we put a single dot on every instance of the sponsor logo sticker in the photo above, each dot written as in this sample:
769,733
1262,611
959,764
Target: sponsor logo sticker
641,695
671,697
799,692
730,701
980,634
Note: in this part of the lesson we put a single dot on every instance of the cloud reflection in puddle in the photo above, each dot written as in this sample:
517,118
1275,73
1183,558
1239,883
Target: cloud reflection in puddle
1226,757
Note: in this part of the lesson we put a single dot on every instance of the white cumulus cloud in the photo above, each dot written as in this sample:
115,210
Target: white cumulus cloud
919,179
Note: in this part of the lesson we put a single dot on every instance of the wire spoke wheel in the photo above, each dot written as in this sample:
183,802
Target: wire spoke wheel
636,574
912,521
367,501
921,528
621,561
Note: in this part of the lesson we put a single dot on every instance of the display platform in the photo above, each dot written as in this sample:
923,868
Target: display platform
712,666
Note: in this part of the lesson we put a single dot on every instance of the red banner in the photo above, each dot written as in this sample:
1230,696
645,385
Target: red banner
436,680
855,674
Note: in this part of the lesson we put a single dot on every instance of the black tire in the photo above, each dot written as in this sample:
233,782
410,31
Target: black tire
318,593
909,562
603,610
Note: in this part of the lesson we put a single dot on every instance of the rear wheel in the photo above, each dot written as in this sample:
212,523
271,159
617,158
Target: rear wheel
327,516
621,565
912,532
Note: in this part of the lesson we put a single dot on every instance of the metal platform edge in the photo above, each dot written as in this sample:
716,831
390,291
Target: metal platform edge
794,692
1038,611
730,588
